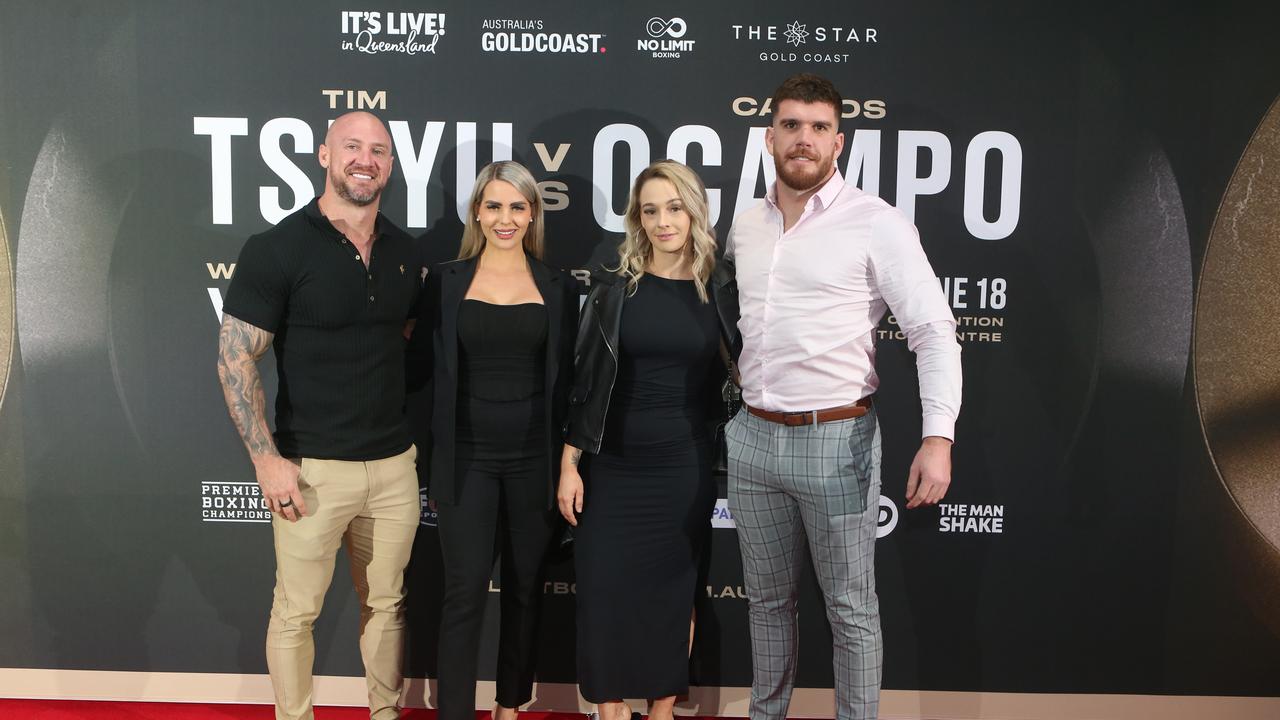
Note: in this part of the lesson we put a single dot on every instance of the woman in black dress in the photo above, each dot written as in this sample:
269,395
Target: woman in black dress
495,334
647,367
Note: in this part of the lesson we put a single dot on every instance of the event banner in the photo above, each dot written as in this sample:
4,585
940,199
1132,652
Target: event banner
1096,188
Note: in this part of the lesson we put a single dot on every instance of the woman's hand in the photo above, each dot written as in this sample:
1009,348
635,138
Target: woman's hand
569,496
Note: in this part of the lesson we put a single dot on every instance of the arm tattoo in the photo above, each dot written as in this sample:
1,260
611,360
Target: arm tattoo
239,347
575,456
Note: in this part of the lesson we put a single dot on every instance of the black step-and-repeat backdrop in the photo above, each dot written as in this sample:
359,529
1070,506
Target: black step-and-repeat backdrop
1064,165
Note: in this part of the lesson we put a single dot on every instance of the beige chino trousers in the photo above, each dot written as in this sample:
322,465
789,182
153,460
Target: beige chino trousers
373,508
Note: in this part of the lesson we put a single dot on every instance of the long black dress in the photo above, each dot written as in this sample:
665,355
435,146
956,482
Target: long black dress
648,500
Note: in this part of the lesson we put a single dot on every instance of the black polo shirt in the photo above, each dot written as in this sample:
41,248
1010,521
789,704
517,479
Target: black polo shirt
338,327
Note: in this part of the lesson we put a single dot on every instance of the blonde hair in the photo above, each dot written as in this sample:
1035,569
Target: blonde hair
636,252
521,179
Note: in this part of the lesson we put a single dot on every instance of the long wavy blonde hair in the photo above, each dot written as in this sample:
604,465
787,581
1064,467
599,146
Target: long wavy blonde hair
636,252
522,180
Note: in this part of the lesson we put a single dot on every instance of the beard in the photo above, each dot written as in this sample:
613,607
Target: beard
362,196
801,179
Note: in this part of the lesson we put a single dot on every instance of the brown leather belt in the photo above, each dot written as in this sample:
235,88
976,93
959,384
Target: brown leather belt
810,417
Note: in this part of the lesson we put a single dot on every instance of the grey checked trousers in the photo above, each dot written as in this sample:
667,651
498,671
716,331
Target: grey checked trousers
820,483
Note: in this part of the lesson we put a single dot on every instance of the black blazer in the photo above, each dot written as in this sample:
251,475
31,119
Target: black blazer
432,357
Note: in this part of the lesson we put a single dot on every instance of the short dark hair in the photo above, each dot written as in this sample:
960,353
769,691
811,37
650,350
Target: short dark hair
808,88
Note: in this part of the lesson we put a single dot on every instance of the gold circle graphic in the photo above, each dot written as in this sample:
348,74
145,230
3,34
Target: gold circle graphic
1236,357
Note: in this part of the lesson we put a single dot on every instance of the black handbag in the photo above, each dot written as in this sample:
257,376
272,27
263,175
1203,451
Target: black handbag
731,396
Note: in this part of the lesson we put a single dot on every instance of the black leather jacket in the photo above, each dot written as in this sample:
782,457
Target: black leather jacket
595,357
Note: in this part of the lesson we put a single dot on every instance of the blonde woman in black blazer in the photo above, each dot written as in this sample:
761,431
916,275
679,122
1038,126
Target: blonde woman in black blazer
495,337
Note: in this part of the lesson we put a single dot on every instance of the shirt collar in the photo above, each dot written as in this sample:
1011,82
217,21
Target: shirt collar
820,200
322,223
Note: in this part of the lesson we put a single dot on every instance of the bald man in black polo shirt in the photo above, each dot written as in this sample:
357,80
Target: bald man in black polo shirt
330,288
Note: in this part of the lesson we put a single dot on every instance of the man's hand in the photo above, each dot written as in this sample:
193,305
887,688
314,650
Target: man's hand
278,479
930,474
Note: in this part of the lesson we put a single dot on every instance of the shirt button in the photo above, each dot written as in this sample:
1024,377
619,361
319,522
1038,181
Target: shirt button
370,298
344,241
357,256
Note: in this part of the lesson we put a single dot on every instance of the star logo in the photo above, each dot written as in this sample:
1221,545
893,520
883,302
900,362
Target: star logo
796,33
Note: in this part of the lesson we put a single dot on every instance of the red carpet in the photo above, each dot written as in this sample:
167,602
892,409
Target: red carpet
94,710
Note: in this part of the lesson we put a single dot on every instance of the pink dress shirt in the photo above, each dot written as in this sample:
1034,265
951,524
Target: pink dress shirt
811,298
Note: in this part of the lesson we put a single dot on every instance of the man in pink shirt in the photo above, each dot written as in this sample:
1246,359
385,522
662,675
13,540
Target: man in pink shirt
818,263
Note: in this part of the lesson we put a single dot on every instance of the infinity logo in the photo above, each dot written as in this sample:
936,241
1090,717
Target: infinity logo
658,27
